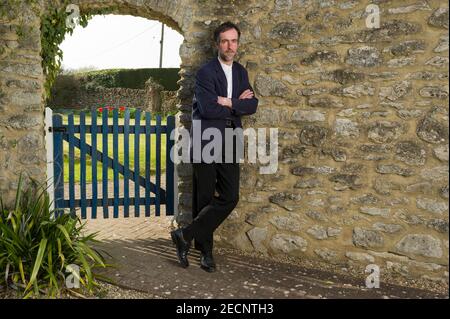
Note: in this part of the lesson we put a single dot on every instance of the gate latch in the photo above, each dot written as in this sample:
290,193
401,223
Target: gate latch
57,129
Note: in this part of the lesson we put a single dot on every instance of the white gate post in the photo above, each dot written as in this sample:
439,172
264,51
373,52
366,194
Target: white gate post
49,148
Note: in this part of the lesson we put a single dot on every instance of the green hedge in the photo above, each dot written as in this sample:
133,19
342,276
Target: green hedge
67,87
65,90
131,78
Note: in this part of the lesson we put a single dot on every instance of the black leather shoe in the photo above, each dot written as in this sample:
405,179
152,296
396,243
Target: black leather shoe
182,247
207,262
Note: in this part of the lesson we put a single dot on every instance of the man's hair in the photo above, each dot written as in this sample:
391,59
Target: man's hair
225,27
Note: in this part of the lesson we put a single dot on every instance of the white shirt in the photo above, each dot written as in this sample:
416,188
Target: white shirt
228,69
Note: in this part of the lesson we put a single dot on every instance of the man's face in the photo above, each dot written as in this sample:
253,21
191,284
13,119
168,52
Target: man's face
228,45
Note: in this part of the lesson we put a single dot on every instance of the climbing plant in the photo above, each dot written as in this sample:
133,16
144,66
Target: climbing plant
53,31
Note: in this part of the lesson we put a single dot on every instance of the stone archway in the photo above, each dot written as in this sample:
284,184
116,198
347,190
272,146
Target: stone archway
22,123
172,14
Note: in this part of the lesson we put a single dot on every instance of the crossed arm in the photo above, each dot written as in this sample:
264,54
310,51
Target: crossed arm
227,102
213,107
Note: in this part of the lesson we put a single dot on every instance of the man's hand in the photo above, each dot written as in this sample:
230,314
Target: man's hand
247,94
224,101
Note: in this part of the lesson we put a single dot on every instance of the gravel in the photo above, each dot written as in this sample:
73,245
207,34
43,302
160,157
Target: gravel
347,270
105,291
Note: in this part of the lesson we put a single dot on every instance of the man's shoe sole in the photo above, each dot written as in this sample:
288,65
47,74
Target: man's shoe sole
208,269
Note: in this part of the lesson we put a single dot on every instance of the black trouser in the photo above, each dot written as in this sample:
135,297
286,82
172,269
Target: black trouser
208,210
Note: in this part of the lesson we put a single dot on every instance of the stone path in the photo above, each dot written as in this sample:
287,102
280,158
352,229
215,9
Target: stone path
146,261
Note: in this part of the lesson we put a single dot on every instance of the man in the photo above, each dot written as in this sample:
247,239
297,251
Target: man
222,95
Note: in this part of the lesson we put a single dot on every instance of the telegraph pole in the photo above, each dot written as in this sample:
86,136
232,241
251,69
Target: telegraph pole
162,44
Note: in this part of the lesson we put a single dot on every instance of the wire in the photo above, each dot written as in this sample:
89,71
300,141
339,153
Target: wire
119,45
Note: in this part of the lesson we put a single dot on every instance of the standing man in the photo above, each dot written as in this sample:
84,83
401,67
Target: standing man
222,95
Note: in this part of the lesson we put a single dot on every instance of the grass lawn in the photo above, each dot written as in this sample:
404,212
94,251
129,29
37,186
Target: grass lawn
110,151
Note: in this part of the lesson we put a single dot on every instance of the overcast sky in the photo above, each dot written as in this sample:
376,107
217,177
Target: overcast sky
117,41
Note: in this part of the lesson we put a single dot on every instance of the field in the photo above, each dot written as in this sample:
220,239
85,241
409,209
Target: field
110,151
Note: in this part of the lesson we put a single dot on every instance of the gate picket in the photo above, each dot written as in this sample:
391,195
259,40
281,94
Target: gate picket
116,161
169,198
58,165
158,165
71,166
137,121
83,164
105,162
148,119
94,163
126,161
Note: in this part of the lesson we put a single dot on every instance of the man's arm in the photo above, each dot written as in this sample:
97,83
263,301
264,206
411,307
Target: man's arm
246,106
206,97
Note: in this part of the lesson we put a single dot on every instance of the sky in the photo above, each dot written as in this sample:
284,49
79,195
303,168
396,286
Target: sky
120,41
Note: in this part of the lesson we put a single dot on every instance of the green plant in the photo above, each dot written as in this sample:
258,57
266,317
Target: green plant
130,78
53,32
64,91
37,245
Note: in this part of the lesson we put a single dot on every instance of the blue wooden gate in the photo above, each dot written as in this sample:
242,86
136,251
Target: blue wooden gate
155,195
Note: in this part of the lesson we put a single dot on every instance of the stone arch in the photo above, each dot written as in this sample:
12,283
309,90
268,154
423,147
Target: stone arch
173,13
22,80
169,12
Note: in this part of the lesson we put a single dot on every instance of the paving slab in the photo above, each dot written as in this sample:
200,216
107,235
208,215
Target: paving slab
146,261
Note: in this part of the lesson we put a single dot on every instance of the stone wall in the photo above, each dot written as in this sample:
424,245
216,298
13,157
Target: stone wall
363,135
22,146
362,116
169,101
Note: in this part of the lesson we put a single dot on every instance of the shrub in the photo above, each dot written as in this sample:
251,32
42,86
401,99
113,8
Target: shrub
65,91
110,110
37,246
131,78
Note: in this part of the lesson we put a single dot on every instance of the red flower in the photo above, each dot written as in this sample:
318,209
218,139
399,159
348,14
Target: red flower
100,109
121,108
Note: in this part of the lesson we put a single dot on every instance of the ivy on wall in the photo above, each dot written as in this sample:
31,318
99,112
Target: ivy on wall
53,31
